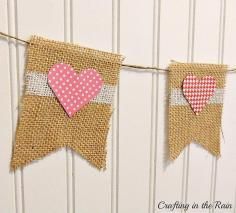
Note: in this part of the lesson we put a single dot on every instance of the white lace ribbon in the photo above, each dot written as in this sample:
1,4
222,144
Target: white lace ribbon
177,97
37,84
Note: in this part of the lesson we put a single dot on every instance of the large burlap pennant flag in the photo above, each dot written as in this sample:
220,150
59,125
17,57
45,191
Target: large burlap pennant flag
67,102
195,106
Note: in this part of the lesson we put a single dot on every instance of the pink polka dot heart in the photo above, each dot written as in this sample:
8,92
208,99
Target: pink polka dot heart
74,90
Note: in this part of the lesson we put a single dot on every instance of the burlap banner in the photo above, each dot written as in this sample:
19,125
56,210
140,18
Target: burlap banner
44,124
69,93
195,106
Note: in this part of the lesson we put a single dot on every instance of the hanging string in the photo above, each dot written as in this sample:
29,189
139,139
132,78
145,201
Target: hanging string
10,36
132,66
151,69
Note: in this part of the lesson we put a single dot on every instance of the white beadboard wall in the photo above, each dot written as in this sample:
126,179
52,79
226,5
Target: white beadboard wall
147,32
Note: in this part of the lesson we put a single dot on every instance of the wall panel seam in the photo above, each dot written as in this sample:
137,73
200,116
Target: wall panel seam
115,118
15,97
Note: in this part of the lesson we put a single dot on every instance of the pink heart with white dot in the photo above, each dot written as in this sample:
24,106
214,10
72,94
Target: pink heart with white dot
74,90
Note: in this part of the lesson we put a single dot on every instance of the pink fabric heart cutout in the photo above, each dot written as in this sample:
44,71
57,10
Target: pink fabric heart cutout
74,90
198,92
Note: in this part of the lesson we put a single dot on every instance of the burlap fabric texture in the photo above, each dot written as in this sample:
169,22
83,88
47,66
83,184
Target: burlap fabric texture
184,126
44,126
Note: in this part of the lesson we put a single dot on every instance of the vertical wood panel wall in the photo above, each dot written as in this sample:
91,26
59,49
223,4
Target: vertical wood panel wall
147,32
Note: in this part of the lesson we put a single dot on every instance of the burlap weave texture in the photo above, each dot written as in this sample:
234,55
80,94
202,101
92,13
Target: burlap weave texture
44,126
186,127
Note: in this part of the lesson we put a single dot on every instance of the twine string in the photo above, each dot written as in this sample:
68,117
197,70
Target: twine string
132,66
10,36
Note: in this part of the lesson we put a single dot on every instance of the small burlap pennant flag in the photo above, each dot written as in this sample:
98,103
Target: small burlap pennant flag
44,124
195,106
